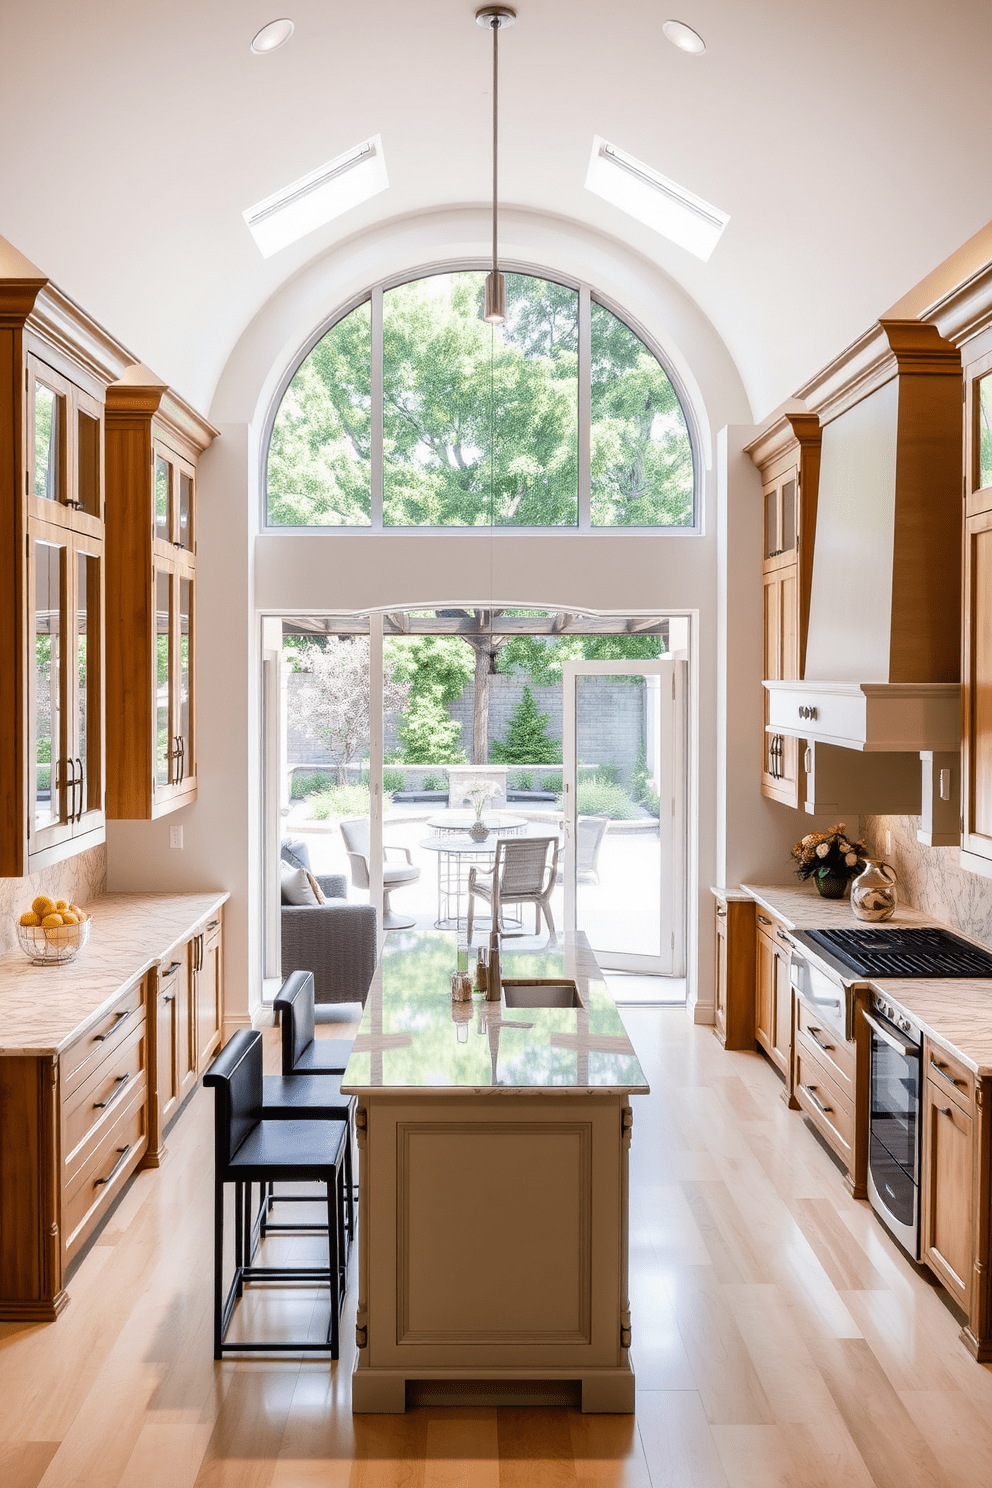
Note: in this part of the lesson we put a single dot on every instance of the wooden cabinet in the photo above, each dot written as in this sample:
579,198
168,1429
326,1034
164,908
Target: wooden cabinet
734,993
788,457
154,440
188,1024
773,995
56,365
976,740
825,1076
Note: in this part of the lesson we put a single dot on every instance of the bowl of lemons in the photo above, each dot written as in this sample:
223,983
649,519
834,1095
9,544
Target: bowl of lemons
53,931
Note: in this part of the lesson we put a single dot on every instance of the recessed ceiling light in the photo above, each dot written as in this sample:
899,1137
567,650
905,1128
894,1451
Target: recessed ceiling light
683,37
273,35
652,198
318,197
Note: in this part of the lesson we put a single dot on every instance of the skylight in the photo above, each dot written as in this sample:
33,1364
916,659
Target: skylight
652,198
318,197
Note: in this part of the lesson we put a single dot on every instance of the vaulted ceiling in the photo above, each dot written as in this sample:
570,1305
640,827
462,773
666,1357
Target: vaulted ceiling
849,141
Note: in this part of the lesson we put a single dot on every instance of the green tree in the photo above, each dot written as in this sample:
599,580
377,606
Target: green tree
542,657
527,741
428,735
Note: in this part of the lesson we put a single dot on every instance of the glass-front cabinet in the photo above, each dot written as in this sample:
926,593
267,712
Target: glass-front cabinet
52,535
153,443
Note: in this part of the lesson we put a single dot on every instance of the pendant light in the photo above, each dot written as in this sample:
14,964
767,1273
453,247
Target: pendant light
493,18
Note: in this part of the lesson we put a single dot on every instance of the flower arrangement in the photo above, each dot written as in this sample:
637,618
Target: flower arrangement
829,854
479,797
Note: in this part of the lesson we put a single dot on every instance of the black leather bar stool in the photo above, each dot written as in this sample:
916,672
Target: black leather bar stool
249,1149
305,1098
302,1053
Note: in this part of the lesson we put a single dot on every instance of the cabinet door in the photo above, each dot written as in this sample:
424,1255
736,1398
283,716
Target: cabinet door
780,772
978,435
168,1044
174,765
947,1204
781,1051
209,999
720,1001
50,794
186,997
764,1008
86,685
173,512
976,743
781,519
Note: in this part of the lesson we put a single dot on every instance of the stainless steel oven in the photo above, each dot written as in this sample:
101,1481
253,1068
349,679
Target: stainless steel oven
894,1122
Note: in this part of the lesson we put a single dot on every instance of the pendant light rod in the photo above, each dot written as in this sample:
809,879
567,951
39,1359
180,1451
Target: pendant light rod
494,17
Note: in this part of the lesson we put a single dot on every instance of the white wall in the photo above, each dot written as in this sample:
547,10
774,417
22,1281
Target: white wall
245,574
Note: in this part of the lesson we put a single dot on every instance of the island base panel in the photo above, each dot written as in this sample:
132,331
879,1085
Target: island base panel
382,1392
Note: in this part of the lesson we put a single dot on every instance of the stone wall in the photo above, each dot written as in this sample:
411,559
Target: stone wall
611,720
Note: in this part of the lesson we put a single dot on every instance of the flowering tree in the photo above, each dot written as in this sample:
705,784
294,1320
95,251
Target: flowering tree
334,704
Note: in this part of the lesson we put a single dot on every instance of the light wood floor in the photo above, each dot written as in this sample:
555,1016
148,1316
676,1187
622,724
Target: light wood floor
779,1337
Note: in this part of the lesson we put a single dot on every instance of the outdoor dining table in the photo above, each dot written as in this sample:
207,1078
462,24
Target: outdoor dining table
457,852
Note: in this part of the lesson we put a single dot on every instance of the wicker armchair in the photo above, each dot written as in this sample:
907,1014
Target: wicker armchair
336,941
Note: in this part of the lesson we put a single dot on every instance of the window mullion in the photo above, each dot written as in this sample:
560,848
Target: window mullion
585,405
376,450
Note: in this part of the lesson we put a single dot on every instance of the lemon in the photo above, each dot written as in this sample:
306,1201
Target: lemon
51,920
61,904
43,905
30,918
68,918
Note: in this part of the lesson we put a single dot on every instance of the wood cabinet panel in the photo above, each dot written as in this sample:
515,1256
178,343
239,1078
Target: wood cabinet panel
102,1175
976,743
825,1103
95,1103
734,998
947,1200
824,1044
773,997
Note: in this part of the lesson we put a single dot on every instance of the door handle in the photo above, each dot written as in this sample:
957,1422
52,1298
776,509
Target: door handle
79,782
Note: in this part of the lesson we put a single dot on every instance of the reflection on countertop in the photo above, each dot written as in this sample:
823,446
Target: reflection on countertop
413,1036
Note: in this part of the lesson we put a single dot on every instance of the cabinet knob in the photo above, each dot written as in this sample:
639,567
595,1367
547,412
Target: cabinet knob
807,711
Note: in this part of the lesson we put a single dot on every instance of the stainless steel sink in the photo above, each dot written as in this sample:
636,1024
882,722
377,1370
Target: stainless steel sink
538,994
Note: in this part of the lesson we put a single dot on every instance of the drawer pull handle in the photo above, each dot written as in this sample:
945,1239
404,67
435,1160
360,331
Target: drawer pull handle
945,1111
782,936
99,1038
98,1182
170,998
763,920
944,1069
121,1082
811,1092
819,1042
170,971
721,914
213,924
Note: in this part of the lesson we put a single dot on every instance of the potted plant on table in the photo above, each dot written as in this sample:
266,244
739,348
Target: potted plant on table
478,831
830,859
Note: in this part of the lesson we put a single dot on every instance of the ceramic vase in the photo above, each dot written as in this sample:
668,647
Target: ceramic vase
873,892
478,831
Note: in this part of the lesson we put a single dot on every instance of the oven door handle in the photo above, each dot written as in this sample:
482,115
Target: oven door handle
907,1050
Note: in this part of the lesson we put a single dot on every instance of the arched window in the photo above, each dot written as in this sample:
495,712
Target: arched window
560,418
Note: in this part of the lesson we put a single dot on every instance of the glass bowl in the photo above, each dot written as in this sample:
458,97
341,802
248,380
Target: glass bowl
55,945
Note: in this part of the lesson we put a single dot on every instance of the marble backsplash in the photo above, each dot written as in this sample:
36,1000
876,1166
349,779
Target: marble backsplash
931,878
82,879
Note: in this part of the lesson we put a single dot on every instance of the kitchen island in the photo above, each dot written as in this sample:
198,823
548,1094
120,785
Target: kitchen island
493,1144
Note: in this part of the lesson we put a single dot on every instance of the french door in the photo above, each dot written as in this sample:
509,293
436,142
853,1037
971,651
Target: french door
625,879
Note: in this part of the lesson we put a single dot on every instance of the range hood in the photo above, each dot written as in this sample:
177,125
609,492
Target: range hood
883,644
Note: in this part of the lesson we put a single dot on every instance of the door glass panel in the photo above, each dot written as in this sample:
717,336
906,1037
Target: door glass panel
185,640
163,672
163,482
88,679
185,508
49,417
788,516
771,523
48,682
618,840
985,431
88,459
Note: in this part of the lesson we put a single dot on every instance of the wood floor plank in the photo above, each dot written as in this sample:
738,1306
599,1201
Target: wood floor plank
167,1455
390,1451
23,1463
726,1379
462,1448
535,1448
608,1452
956,1431
843,1259
678,1443
248,1432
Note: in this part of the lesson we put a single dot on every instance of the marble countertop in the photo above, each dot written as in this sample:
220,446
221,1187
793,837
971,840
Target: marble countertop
43,1008
413,1037
956,1012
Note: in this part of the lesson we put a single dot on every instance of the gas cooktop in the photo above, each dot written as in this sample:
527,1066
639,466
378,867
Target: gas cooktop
884,951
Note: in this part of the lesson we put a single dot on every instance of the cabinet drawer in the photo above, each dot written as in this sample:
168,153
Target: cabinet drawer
105,1171
768,924
104,1093
82,1057
951,1076
821,1097
826,1046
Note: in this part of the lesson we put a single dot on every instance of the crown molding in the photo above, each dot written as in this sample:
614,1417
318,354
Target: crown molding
891,348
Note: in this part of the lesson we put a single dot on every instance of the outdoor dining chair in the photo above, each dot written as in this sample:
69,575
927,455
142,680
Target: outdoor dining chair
524,871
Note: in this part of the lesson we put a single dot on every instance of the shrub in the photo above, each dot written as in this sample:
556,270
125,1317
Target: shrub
652,804
341,801
639,778
521,780
306,782
428,735
602,798
527,741
551,782
437,782
393,780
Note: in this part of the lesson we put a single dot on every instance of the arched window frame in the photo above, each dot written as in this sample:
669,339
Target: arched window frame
587,296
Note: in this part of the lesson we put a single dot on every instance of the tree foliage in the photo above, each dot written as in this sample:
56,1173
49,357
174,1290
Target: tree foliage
527,741
543,657
428,735
334,703
480,423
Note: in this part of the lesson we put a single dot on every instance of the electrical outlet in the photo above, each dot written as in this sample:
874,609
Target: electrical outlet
176,837
888,842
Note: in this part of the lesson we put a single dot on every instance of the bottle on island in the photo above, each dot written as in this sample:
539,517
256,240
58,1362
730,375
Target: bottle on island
493,980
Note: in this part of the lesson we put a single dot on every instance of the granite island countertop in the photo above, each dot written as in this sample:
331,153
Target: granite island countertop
413,1037
43,1008
955,1012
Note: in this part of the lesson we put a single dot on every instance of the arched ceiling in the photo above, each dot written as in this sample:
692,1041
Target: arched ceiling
848,141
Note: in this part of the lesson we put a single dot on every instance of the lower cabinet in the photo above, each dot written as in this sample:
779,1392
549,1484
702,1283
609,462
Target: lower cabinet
773,996
188,1023
733,1011
954,1186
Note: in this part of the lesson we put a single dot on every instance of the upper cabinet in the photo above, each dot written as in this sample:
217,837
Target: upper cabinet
154,440
55,366
787,454
965,318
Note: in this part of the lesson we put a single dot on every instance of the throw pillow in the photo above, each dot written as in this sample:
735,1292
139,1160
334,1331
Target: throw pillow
296,886
317,890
